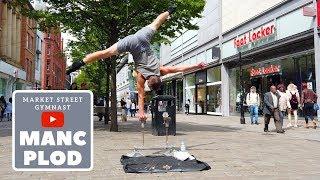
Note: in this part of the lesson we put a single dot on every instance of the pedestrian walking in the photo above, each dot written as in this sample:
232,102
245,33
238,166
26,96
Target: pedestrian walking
294,99
133,109
253,101
271,109
8,110
128,106
284,103
3,106
308,100
187,106
123,110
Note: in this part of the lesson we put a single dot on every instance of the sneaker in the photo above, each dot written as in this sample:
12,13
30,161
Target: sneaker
280,131
295,126
289,125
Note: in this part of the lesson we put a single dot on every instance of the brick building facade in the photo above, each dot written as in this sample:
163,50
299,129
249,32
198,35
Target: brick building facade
54,63
28,48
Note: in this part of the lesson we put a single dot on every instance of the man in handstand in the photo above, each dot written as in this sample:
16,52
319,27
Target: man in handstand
146,63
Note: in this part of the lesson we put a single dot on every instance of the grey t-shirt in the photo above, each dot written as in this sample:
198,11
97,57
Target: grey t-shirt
138,45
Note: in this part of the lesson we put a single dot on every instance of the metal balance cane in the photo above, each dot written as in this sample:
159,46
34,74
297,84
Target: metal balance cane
166,120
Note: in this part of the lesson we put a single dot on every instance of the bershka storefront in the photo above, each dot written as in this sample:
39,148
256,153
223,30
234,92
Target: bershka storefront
279,51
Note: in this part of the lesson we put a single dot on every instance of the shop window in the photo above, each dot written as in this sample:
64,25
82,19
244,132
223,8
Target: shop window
201,77
214,74
2,87
296,69
190,80
190,91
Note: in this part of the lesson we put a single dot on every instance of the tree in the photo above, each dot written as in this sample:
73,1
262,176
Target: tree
99,24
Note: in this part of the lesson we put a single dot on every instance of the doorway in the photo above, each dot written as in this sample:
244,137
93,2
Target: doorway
263,83
201,105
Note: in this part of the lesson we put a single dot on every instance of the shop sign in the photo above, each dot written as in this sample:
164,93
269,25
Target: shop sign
271,69
318,13
255,35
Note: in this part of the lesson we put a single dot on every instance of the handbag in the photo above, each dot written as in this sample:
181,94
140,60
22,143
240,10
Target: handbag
316,107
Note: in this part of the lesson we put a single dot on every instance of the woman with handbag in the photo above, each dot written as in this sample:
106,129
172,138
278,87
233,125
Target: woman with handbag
294,100
308,99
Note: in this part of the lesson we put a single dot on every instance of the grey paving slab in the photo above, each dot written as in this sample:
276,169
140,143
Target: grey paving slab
234,151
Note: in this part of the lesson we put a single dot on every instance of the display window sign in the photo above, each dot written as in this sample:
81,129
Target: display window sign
318,13
260,71
52,130
255,35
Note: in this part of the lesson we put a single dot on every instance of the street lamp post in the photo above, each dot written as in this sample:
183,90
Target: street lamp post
242,119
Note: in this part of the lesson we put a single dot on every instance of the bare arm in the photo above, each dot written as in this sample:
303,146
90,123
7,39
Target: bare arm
159,21
174,69
141,96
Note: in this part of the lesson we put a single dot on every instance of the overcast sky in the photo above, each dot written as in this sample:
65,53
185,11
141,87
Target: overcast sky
66,38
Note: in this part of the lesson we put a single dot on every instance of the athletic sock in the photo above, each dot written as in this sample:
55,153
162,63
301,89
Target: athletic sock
171,9
75,66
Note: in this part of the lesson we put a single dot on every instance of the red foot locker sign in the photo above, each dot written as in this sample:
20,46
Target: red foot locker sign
318,13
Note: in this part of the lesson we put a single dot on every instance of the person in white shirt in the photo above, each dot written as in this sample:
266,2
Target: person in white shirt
294,100
128,106
284,103
133,109
253,101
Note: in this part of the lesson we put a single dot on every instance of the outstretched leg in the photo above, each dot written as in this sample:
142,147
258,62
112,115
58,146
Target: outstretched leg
111,51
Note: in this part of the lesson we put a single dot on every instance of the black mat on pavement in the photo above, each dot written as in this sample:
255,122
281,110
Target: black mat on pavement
160,164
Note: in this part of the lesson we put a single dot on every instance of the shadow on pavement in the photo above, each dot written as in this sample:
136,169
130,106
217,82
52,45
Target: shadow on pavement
5,128
182,127
5,132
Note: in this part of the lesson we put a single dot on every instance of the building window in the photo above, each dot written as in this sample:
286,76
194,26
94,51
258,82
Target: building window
214,90
27,41
190,91
49,50
31,43
2,87
48,65
47,81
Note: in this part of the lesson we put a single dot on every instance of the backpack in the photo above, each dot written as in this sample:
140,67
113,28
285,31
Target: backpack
294,99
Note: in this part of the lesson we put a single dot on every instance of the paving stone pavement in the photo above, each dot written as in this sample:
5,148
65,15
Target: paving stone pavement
234,151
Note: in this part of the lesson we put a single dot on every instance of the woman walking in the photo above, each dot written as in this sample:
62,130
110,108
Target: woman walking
308,99
284,103
294,99
3,105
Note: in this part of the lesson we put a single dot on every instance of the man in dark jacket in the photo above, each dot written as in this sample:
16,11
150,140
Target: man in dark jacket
271,108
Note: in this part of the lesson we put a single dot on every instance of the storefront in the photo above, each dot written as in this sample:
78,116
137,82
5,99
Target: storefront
295,68
279,51
203,89
11,79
